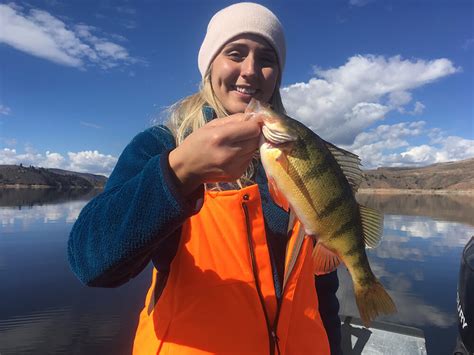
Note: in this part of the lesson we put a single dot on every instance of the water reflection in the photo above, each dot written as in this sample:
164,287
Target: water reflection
44,309
403,237
417,261
27,209
32,216
24,198
411,308
27,334
456,208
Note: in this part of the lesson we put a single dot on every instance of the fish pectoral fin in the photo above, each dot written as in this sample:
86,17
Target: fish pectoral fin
283,161
324,260
349,163
277,196
372,226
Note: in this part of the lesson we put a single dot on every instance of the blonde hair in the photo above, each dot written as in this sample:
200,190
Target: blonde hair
186,116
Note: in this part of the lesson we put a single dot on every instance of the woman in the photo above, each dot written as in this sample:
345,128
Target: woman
231,272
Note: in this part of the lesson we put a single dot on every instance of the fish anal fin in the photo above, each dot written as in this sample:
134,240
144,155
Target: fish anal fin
324,260
372,226
277,196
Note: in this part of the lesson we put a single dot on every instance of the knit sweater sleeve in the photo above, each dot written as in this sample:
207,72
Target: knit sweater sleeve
121,229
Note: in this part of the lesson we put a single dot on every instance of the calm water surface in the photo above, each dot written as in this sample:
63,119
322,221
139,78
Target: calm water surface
45,310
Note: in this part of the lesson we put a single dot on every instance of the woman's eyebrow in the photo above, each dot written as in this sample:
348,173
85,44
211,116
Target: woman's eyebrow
234,45
267,50
243,45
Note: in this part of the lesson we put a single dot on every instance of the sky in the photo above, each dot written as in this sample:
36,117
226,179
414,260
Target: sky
392,81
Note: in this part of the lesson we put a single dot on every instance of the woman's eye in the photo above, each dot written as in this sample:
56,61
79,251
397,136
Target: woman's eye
268,61
234,55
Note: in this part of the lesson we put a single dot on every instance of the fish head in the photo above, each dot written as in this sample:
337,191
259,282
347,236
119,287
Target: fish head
277,129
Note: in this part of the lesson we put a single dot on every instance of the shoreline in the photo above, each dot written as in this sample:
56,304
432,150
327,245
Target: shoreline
361,191
44,187
370,191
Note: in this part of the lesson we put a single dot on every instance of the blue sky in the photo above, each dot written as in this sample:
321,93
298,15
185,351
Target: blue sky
390,80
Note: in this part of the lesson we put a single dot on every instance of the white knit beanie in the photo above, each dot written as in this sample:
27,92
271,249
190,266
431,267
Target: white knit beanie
244,17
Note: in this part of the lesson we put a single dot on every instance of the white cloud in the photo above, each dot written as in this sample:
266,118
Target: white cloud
88,161
126,10
389,145
8,141
4,110
399,98
418,108
53,160
422,154
85,161
359,3
88,124
468,43
340,103
10,156
41,34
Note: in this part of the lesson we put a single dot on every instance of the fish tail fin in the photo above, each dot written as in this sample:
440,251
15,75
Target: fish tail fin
373,301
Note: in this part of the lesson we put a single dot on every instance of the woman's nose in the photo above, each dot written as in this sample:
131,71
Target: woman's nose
249,67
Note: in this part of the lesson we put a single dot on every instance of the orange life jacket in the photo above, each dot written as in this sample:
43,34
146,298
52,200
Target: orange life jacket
220,296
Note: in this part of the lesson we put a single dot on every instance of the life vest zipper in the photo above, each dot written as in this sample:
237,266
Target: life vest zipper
272,335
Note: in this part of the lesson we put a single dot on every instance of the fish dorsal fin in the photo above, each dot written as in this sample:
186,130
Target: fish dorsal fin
372,226
349,163
324,260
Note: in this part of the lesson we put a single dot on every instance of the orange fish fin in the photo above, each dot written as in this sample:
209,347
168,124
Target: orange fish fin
373,301
277,196
324,260
372,226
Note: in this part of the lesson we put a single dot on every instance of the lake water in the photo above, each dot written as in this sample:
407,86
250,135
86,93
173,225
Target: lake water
45,310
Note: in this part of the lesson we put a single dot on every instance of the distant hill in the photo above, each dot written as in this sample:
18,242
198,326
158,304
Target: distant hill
451,176
20,176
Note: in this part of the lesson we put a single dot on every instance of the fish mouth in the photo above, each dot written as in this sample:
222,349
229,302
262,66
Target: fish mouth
277,137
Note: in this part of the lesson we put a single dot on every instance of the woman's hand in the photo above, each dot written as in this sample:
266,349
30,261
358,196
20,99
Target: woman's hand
219,151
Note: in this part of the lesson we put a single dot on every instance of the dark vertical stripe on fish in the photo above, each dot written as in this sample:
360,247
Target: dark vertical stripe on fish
353,251
333,205
344,229
316,170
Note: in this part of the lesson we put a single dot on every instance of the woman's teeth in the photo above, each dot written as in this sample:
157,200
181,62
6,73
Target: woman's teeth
247,91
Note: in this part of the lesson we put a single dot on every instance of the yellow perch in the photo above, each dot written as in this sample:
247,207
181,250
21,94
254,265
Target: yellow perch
317,181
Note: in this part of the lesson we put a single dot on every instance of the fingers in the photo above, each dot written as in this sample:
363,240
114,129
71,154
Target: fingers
238,117
237,130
